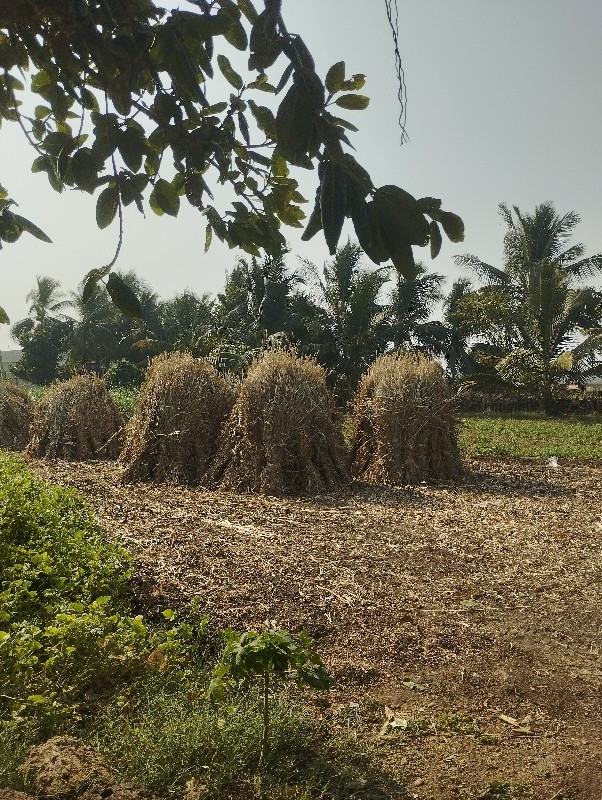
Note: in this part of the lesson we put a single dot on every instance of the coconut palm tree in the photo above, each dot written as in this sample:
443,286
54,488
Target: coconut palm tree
44,334
349,293
103,334
550,324
457,356
187,323
93,344
46,299
410,307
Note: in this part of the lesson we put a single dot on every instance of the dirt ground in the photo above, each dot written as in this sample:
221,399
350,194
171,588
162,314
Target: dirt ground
463,622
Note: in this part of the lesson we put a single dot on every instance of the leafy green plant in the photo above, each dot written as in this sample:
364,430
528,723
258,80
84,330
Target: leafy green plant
125,399
273,653
165,733
65,632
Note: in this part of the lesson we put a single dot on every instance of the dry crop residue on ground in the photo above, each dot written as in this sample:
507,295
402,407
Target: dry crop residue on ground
463,622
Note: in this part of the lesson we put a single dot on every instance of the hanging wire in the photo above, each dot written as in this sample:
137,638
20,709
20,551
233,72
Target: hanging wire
393,18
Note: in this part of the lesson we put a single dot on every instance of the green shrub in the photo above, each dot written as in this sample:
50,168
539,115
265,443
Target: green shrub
73,660
123,374
65,634
51,549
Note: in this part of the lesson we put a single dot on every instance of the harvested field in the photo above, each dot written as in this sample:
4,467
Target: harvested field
462,621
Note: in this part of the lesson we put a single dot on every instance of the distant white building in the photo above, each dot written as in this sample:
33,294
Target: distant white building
8,358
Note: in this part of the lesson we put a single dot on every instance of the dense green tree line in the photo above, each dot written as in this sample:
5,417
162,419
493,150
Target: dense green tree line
530,323
344,314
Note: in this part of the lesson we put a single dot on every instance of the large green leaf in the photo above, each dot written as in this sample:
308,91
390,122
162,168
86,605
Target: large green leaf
10,230
291,215
353,102
452,225
124,297
29,227
314,224
333,203
354,83
132,147
56,142
229,73
89,101
4,320
42,112
84,169
106,206
165,198
343,123
429,205
403,260
265,119
401,224
243,127
335,77
399,213
366,228
236,35
208,237
296,125
359,176
435,239
265,44
248,9
40,80
182,67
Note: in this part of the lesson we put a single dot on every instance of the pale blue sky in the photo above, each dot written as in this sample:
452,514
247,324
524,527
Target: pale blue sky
504,104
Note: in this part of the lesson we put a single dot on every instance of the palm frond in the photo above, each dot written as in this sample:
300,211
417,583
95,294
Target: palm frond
506,214
586,267
482,269
572,253
460,289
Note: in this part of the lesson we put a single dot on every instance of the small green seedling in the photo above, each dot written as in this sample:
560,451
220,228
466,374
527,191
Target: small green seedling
271,653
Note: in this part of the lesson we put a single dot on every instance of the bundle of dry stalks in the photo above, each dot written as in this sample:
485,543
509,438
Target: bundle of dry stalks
404,427
282,436
76,420
16,409
172,436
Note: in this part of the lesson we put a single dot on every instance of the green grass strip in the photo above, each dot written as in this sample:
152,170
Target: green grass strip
531,436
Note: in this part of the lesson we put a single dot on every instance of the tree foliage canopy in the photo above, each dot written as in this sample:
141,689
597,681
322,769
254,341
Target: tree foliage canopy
127,108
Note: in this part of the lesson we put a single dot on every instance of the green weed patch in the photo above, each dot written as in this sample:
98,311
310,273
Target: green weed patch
531,436
65,632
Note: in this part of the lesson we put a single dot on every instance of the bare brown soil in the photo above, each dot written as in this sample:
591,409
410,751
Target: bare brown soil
463,622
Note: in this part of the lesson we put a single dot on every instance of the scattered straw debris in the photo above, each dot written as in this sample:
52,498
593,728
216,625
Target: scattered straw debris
282,436
450,604
16,408
404,428
172,436
77,420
